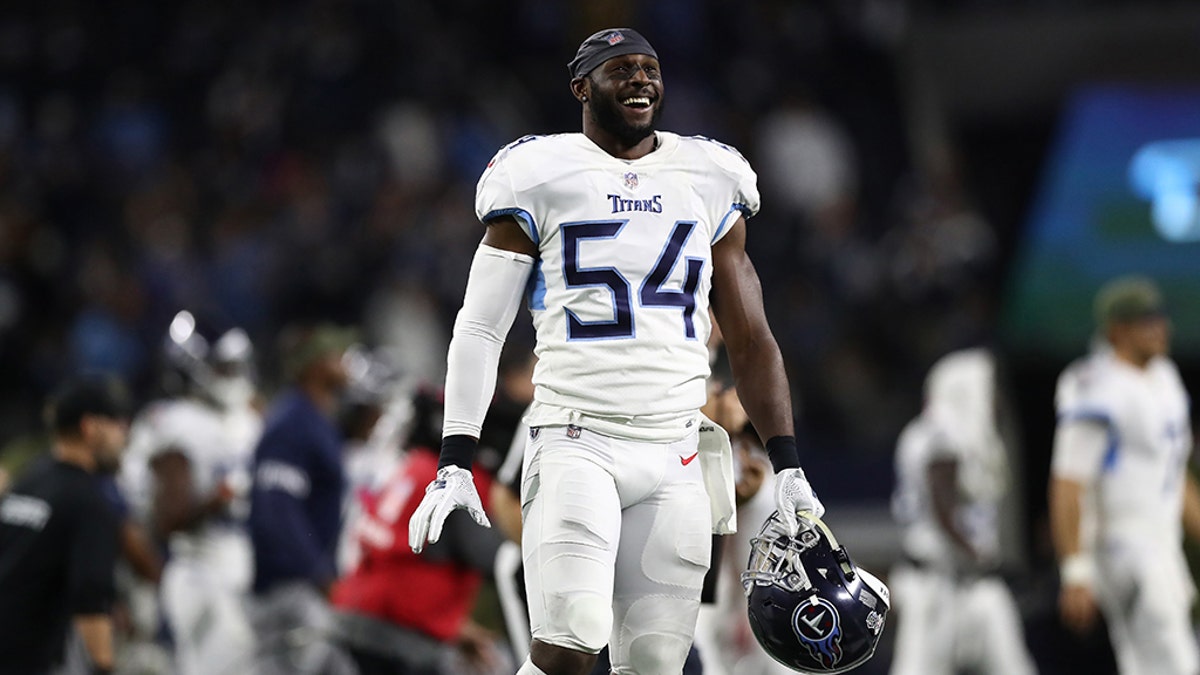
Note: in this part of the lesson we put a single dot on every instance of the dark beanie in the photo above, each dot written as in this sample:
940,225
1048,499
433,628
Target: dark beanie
102,395
606,44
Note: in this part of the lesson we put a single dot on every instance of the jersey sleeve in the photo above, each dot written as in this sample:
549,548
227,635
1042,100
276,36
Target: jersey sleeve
496,195
1082,394
738,194
167,430
943,447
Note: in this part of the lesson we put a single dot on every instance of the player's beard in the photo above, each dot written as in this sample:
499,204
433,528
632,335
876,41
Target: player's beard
608,115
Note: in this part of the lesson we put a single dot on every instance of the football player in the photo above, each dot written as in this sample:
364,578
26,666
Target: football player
1120,492
619,234
195,449
951,475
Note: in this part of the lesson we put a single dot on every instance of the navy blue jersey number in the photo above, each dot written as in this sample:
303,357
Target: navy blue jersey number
621,325
651,292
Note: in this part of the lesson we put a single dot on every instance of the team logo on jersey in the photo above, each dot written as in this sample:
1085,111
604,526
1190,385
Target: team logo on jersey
573,431
631,180
614,38
816,623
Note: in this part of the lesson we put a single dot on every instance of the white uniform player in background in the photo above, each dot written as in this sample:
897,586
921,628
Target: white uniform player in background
1121,495
619,234
190,457
954,611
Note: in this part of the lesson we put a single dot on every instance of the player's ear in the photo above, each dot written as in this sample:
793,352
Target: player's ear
579,88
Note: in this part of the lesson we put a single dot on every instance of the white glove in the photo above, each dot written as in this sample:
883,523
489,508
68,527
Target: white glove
792,495
454,488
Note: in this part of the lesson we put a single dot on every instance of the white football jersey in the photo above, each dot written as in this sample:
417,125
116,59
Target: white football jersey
958,424
921,443
219,446
620,293
1139,491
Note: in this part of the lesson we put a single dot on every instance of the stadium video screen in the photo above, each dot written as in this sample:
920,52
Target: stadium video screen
1118,194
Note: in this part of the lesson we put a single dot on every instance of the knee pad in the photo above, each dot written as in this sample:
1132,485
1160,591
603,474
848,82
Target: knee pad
656,653
581,621
655,635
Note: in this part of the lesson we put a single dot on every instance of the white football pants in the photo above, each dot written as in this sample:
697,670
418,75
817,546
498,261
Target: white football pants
616,542
1147,599
945,625
204,602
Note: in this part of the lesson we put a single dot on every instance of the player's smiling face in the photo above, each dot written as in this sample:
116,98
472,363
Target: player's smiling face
627,96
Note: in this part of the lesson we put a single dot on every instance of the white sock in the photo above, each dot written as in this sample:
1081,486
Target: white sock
528,668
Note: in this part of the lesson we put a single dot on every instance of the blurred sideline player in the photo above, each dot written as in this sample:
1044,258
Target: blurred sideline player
197,447
956,613
59,536
296,505
399,613
621,234
1121,495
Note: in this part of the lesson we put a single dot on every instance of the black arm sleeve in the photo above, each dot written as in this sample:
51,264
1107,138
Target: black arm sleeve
93,558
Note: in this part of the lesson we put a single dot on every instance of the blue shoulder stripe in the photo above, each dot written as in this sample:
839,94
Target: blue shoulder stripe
1114,442
730,216
523,218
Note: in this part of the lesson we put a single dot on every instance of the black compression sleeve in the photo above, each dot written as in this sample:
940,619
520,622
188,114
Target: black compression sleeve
458,450
783,454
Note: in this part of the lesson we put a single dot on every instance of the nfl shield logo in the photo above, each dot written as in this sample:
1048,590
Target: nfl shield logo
614,37
573,431
631,180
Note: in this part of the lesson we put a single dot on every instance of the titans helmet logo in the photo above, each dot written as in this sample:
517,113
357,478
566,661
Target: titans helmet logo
816,623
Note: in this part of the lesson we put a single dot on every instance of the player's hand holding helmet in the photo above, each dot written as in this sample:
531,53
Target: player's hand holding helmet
793,494
454,488
810,607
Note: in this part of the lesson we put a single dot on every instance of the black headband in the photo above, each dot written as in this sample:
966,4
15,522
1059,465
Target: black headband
606,44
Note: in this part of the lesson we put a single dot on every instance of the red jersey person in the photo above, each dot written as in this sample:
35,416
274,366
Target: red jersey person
399,611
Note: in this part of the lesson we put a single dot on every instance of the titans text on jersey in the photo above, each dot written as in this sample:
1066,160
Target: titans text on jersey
621,204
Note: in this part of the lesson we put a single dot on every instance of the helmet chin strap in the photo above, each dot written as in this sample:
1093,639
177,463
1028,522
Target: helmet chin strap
838,551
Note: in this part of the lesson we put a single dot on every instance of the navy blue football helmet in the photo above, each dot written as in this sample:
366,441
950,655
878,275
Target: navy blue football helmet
810,607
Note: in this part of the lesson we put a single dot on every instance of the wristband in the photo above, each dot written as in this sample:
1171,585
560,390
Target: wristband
783,454
458,450
1077,569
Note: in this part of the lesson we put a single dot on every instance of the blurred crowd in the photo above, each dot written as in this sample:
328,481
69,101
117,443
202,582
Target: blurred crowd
262,164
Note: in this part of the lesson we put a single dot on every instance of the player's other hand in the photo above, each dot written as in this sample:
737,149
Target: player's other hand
792,495
1077,607
454,488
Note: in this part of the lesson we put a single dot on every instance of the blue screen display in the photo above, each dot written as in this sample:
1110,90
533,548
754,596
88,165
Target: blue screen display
1118,194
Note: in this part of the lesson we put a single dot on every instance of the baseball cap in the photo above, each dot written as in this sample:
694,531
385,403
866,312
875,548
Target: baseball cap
1128,298
90,394
604,45
304,346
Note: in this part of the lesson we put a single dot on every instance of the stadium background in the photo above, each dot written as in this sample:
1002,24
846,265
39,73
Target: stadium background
265,163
